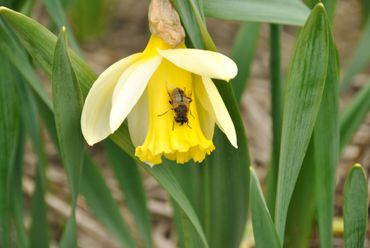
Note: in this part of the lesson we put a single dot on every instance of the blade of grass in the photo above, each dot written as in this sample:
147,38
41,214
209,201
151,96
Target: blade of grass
264,230
40,43
303,93
9,129
278,12
128,176
355,212
360,58
242,53
67,102
354,115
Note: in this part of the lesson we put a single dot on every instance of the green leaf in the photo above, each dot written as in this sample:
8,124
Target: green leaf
56,12
226,183
128,176
9,129
17,203
303,93
264,230
10,47
360,58
102,204
40,43
302,206
280,12
223,189
84,12
355,208
242,53
189,22
67,102
276,89
326,138
39,233
354,115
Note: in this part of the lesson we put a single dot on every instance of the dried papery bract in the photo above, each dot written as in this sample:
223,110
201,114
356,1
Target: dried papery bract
165,22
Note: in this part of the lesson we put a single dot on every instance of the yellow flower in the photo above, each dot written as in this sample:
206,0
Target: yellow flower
141,88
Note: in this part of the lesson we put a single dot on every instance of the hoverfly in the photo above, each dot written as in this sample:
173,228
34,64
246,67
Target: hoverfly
180,105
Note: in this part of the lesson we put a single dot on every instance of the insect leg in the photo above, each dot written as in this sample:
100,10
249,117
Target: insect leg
191,114
173,125
187,123
163,113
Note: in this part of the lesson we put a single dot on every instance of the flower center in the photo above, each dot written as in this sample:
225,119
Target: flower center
174,130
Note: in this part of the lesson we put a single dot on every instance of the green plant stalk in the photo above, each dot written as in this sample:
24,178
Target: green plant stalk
353,116
276,112
243,51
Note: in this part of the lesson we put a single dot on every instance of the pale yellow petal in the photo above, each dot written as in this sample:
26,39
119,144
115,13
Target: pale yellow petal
129,89
204,108
138,120
209,95
201,62
96,110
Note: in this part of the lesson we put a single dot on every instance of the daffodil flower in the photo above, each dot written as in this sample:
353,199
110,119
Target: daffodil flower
139,88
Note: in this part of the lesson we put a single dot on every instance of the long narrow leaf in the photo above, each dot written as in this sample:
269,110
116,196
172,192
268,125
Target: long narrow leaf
360,58
242,53
39,233
17,203
326,138
264,230
101,202
129,179
302,205
9,128
279,12
16,54
56,12
355,212
303,94
353,116
67,102
276,89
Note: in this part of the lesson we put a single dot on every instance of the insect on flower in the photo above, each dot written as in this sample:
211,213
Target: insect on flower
135,89
180,105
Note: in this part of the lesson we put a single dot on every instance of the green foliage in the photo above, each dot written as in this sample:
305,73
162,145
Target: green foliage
264,230
303,93
9,131
360,58
242,53
354,115
280,12
128,176
67,102
355,206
